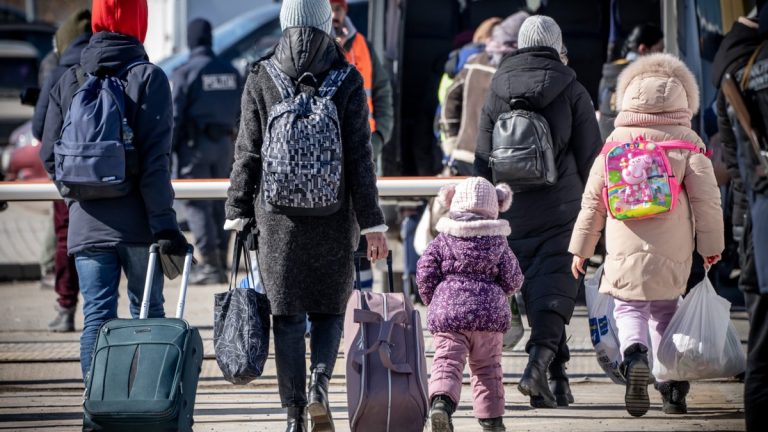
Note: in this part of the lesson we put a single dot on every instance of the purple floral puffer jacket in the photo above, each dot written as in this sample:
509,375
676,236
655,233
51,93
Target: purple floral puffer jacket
465,281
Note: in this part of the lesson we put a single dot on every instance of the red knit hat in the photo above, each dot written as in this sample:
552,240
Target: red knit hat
340,2
128,17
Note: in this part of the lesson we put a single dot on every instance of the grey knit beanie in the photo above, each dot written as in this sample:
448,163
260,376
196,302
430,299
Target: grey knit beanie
306,13
540,30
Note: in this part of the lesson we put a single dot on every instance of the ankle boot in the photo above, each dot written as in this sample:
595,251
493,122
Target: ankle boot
558,383
64,321
297,420
533,383
208,273
673,395
636,372
440,413
318,408
495,424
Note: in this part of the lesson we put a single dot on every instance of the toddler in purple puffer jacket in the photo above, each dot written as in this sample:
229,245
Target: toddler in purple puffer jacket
465,277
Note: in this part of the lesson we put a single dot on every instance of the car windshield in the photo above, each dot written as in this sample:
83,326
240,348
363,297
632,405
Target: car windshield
17,74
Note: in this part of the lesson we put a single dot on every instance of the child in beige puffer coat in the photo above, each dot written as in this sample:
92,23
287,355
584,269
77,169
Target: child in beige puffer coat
648,261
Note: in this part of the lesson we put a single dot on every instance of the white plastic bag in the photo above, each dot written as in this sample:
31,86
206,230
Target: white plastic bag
602,328
253,282
700,341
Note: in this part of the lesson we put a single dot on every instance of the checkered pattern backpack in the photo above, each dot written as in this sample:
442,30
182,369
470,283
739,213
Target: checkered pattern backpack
302,151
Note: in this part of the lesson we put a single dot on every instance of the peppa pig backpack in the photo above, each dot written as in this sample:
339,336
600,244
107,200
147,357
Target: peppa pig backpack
639,181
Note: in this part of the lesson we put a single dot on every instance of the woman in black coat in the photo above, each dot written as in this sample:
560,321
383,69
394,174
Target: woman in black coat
542,219
306,262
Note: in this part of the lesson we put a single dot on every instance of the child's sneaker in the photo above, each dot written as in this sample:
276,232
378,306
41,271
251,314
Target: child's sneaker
495,424
441,412
673,396
636,372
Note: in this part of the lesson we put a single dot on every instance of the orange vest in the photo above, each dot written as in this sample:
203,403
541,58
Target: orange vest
360,57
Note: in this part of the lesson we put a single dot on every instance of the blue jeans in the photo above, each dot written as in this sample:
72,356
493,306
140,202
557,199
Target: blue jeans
99,273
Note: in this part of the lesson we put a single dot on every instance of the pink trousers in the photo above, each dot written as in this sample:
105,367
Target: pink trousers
484,352
636,320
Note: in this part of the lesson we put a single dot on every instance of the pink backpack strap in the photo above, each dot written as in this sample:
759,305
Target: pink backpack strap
608,147
683,145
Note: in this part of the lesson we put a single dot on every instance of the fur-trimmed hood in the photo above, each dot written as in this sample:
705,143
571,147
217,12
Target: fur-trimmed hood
658,84
477,228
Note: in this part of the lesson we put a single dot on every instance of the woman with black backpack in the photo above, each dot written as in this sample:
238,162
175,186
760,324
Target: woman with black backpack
542,217
304,175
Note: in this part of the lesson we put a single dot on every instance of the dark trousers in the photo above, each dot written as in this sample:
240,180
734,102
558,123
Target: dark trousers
548,330
206,160
206,221
67,286
290,352
756,380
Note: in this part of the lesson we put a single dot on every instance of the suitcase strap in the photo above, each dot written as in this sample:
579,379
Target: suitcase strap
383,345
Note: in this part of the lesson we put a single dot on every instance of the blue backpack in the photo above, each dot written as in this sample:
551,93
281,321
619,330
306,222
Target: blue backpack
95,157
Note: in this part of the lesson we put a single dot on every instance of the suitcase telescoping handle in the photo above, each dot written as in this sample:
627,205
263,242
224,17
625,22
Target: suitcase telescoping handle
154,250
362,255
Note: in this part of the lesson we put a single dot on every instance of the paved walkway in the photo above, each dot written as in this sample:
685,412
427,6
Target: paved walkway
41,388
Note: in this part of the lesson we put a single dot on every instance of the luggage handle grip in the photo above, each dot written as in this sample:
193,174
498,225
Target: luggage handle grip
390,273
154,250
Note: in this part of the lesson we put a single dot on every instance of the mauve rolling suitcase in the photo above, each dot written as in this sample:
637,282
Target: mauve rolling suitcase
386,367
144,372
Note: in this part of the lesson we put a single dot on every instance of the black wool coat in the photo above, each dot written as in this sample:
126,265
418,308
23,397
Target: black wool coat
306,261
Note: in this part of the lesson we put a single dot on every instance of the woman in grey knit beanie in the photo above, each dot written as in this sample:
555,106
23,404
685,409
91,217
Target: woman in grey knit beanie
536,73
306,262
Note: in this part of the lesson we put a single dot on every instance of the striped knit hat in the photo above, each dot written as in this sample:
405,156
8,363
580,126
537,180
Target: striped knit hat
540,30
306,13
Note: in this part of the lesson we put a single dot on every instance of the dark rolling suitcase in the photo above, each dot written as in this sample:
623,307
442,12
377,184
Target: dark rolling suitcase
144,372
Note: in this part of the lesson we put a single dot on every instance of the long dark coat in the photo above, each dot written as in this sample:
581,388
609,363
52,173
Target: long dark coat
542,220
306,262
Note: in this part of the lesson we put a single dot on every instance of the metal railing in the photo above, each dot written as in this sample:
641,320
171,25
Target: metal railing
389,187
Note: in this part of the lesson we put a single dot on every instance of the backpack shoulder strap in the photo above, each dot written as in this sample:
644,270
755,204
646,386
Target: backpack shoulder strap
748,68
80,75
680,145
281,80
333,81
124,71
608,146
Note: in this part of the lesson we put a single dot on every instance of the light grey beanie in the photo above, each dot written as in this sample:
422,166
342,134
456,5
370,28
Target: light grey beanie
540,30
306,13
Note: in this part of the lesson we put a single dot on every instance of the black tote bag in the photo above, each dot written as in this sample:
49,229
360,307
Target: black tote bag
241,324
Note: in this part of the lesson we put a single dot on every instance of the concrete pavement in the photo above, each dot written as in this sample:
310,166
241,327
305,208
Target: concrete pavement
41,387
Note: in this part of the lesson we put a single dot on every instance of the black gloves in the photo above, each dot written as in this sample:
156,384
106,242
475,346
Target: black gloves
171,242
